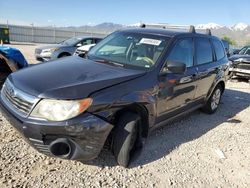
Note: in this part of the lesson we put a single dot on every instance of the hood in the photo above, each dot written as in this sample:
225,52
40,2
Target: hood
70,78
51,46
240,58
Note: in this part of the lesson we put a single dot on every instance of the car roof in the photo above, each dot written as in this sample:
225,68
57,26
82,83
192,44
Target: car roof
165,32
83,37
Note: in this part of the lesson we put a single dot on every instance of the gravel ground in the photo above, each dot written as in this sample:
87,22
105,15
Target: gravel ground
199,150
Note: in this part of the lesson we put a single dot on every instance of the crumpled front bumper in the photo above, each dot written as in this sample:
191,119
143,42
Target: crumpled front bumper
85,134
240,72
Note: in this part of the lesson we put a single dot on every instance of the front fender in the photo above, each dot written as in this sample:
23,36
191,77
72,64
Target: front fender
146,99
13,57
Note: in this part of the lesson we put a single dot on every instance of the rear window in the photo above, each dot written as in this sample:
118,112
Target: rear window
204,52
219,50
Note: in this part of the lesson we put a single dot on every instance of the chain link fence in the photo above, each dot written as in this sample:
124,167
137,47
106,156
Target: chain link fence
47,34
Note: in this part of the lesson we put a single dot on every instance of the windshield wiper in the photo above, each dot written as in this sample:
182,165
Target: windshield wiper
108,62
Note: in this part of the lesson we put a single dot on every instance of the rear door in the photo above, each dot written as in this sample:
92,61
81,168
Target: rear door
206,65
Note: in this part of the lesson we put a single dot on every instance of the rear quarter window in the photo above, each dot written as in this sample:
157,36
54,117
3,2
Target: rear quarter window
219,49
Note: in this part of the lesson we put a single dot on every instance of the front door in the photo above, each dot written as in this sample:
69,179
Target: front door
177,90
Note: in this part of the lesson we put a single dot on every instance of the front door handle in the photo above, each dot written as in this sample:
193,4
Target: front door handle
187,79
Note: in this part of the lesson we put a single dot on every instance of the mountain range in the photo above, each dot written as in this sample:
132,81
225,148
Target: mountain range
240,32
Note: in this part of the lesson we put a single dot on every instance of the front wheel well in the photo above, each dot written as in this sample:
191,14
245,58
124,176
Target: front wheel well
223,86
64,54
138,109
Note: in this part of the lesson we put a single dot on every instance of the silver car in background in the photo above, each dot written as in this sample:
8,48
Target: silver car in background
65,48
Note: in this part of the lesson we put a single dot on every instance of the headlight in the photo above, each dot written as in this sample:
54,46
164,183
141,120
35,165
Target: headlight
50,50
59,110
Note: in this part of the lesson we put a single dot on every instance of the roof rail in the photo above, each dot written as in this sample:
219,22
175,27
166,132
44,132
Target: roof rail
191,28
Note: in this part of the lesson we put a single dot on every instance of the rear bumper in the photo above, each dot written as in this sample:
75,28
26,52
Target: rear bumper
84,135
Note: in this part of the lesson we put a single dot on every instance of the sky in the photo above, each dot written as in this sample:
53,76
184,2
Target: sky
80,12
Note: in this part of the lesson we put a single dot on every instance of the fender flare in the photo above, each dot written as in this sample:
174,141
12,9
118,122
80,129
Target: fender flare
215,84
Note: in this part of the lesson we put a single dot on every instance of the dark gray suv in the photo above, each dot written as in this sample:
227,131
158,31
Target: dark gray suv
131,82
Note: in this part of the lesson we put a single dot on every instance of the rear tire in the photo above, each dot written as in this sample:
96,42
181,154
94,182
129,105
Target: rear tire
125,137
213,102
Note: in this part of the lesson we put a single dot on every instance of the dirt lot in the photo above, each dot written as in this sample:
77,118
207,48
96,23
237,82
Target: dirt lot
198,151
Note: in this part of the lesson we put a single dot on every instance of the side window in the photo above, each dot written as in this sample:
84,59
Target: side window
219,49
87,41
204,52
182,52
98,40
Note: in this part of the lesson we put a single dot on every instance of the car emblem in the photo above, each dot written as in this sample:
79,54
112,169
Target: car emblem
11,91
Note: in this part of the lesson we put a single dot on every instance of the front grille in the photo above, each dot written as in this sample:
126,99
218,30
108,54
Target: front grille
17,100
243,66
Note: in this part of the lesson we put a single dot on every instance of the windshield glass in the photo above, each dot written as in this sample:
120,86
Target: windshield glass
71,41
130,49
243,50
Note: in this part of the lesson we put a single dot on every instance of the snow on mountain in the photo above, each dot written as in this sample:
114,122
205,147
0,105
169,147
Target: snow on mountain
134,25
209,26
239,27
214,26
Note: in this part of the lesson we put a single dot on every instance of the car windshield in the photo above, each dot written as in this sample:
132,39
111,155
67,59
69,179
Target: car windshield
130,49
243,50
71,41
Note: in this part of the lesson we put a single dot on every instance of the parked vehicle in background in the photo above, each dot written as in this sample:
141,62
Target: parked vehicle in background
240,63
83,50
245,50
234,51
65,48
11,60
131,82
227,47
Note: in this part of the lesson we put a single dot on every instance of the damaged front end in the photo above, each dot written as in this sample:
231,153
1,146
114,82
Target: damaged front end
240,67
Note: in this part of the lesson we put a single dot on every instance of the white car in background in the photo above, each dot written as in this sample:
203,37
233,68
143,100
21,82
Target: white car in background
81,51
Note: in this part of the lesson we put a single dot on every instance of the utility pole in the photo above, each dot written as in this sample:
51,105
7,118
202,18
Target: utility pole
54,33
32,31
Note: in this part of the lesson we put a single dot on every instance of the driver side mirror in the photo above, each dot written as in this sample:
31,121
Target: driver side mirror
175,67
